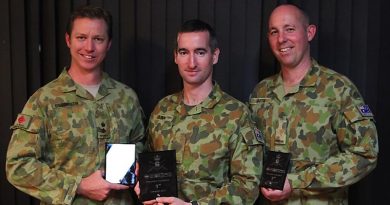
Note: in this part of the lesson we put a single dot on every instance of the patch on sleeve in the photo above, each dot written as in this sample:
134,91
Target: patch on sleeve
22,121
365,111
259,135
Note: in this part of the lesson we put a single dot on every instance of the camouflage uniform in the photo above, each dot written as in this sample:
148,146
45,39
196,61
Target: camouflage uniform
60,137
218,156
323,124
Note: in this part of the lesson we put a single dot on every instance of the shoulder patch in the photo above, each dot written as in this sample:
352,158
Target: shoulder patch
365,111
22,121
259,135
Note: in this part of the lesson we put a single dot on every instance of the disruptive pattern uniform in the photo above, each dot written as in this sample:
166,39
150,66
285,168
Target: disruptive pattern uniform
325,125
60,137
219,158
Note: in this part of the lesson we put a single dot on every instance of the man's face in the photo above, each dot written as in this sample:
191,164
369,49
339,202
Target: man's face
88,43
289,36
195,58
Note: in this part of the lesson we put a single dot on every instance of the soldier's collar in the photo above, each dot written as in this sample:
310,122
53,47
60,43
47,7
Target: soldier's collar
312,76
68,85
213,98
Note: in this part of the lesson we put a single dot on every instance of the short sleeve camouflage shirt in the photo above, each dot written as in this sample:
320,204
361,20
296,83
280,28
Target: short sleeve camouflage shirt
333,141
218,156
60,137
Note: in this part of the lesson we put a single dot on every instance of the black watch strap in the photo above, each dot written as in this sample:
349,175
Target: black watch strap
194,202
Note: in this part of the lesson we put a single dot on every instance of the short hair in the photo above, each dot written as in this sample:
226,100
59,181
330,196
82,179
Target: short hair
91,12
196,25
303,12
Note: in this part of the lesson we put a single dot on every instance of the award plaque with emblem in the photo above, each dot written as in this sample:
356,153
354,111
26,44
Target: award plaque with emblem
120,164
157,174
276,165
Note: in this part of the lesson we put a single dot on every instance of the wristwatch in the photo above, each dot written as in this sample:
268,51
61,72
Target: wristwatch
194,202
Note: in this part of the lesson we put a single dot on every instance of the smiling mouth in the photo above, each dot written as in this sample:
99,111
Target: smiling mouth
89,57
284,50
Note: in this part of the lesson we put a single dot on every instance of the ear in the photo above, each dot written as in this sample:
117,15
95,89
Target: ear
67,39
109,45
311,31
215,56
174,55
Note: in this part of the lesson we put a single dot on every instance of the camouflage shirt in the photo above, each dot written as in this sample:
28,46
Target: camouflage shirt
219,159
325,125
60,137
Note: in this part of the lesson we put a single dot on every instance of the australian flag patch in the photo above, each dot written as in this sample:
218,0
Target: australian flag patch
365,111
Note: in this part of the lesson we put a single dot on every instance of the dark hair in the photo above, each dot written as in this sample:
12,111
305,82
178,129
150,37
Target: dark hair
196,25
91,12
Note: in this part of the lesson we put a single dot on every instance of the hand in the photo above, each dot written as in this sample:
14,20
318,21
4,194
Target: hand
277,195
137,190
171,201
96,188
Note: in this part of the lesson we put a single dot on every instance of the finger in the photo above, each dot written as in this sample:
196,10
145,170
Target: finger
118,186
165,199
150,202
136,168
137,189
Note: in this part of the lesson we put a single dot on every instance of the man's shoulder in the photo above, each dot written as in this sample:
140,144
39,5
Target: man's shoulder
270,80
266,84
329,75
170,100
53,87
228,100
117,86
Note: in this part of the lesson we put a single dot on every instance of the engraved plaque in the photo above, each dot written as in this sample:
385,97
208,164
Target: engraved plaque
275,170
157,174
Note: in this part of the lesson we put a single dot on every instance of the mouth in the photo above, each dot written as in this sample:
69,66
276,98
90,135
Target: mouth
285,50
191,72
88,57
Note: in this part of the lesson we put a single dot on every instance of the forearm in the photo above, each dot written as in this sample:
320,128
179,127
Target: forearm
26,172
38,180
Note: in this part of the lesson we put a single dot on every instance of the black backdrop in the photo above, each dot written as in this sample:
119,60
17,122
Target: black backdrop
352,39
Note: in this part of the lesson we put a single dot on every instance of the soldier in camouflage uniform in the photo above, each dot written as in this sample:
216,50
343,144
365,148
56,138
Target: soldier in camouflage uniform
218,156
313,113
57,149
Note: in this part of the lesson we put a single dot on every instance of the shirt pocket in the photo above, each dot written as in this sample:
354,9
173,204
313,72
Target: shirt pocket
261,113
69,123
160,130
311,133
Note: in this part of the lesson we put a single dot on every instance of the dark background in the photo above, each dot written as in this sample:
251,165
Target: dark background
352,38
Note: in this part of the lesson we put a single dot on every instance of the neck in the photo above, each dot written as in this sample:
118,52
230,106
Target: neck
294,75
194,95
83,77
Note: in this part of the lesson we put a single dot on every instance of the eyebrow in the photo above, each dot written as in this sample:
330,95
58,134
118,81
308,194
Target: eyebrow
284,26
197,49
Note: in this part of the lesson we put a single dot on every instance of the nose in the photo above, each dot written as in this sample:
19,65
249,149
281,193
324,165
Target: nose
89,45
192,61
281,37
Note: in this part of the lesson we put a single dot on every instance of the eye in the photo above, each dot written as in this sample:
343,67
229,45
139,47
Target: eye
182,52
290,29
273,32
99,40
80,38
201,52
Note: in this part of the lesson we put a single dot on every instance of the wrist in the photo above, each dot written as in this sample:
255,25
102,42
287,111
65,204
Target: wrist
194,202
